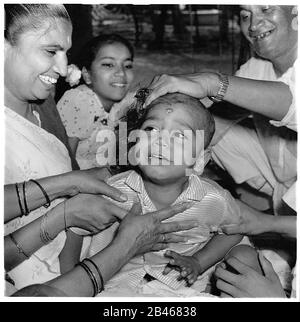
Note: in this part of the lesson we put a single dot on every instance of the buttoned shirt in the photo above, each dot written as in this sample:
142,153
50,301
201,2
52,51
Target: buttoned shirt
212,206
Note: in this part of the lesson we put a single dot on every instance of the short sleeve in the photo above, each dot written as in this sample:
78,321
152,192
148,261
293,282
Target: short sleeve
290,119
232,210
73,110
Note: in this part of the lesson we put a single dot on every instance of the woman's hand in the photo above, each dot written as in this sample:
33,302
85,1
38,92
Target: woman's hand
198,85
249,283
92,181
148,232
92,212
250,222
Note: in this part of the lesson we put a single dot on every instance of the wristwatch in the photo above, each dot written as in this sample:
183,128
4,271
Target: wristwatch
223,85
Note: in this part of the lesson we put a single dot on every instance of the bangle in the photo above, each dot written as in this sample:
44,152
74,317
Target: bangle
99,273
24,198
65,219
19,200
20,249
44,235
223,86
48,202
91,276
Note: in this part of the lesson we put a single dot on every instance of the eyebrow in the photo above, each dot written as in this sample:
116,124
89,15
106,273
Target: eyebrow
109,57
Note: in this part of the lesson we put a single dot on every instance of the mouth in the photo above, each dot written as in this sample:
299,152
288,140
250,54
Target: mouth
159,157
262,35
119,85
48,80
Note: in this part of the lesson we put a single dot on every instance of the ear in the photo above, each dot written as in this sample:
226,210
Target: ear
86,76
202,161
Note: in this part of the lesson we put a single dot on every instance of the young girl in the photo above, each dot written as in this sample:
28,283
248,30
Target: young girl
106,63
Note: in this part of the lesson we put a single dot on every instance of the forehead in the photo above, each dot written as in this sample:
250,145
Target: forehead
176,112
51,32
115,49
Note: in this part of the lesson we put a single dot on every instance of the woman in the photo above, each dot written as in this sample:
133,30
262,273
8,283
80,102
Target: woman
264,157
37,38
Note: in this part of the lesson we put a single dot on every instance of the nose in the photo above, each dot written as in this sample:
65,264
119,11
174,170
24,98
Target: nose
120,71
161,140
255,22
61,65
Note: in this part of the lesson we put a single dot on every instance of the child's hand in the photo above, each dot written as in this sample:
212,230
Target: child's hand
188,266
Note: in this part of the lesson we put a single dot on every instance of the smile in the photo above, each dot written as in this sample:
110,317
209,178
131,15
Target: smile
263,35
48,80
157,156
121,85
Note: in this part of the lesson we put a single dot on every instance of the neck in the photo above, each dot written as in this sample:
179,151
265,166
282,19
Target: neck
107,104
164,194
284,62
20,107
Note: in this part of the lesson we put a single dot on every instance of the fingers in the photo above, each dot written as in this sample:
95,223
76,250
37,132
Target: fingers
222,273
177,226
240,267
171,211
267,267
173,238
231,229
107,190
230,290
116,211
135,210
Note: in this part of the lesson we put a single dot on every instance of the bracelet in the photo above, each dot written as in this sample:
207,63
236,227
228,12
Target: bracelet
223,86
44,235
65,219
19,200
91,276
20,249
48,202
24,198
99,273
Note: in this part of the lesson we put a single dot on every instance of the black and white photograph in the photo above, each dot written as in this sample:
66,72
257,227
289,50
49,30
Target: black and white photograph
150,153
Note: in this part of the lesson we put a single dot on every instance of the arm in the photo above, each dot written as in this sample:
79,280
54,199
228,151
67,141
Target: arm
215,250
254,222
271,99
67,184
73,144
70,254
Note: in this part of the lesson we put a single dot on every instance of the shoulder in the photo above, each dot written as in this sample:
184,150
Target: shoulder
255,68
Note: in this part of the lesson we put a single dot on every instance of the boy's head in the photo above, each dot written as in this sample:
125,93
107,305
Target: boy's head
176,130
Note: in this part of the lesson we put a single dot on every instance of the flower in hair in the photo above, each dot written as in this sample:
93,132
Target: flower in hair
73,75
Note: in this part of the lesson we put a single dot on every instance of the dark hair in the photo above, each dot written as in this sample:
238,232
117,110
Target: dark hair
90,50
22,17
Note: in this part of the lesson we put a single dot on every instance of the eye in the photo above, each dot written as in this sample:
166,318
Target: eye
244,15
50,52
107,65
179,135
266,9
150,129
129,66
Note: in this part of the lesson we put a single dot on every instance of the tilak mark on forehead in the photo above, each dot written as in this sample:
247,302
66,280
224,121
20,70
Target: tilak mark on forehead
169,110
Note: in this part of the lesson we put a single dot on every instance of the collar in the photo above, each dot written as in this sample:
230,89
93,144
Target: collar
195,190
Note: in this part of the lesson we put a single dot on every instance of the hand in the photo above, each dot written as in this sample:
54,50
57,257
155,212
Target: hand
249,283
148,232
92,181
250,222
92,212
187,265
197,85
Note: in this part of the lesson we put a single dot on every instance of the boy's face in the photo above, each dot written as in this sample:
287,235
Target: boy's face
172,142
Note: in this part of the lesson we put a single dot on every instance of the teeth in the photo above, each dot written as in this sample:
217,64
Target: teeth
48,80
118,84
263,35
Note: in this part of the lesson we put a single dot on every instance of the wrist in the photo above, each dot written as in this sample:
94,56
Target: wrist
55,220
219,86
69,184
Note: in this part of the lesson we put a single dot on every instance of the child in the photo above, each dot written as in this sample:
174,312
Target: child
106,64
171,124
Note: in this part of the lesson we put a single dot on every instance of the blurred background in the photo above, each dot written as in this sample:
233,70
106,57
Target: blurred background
167,38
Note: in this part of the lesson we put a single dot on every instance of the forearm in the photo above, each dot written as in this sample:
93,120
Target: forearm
28,237
215,250
55,187
271,99
109,261
284,225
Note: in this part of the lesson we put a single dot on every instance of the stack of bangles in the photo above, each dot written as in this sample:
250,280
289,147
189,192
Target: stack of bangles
21,194
94,274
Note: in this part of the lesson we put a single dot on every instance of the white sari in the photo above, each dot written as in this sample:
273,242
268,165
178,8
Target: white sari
33,153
